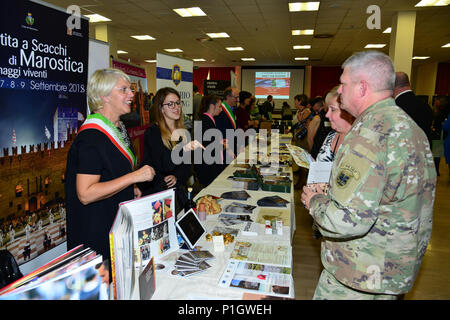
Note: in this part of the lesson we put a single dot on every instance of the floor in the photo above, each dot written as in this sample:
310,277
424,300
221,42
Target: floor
433,280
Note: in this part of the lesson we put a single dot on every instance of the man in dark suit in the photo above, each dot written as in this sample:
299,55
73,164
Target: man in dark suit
416,108
226,120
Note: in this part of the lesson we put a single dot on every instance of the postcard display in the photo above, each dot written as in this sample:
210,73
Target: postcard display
144,228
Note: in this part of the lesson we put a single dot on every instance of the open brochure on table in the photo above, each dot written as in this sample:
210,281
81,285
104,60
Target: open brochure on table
265,253
257,278
143,228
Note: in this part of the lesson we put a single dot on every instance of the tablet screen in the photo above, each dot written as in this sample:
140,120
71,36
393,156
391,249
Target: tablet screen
190,228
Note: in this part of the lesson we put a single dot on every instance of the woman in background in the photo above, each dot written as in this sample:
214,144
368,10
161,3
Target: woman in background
341,122
243,111
207,171
159,141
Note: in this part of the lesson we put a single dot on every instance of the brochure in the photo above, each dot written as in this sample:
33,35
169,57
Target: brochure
233,219
143,228
301,157
76,279
258,278
237,207
265,253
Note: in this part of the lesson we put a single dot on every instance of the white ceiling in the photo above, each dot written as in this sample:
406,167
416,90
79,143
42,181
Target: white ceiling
263,29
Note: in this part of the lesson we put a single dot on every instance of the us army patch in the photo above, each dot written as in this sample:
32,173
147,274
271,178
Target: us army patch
346,173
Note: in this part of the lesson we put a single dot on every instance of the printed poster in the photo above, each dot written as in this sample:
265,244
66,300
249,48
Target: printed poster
43,78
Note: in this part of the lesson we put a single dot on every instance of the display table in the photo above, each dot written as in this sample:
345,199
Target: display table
205,285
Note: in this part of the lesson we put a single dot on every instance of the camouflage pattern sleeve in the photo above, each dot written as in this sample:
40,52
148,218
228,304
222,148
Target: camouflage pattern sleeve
356,186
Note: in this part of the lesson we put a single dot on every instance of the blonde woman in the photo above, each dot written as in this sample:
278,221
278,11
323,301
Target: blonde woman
159,144
100,171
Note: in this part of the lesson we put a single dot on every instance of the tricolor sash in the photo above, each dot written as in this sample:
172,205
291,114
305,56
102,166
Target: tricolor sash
99,122
226,108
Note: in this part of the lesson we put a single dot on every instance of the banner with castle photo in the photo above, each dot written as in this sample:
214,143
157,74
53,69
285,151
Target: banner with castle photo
43,78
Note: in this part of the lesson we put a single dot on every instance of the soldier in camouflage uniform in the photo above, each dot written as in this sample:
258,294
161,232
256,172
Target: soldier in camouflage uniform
377,216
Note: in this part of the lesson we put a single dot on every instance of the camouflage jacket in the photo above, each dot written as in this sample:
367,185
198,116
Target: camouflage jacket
377,217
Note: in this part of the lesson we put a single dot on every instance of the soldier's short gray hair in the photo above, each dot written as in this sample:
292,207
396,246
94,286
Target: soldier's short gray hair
375,65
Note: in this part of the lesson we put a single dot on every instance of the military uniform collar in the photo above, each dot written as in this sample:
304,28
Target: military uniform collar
374,107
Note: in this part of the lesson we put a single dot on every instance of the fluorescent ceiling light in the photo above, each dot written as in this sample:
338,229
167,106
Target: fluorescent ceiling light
235,49
199,60
97,18
301,58
376,46
420,58
190,12
173,50
388,30
302,47
302,32
303,6
430,3
248,59
218,35
446,45
150,61
121,52
143,37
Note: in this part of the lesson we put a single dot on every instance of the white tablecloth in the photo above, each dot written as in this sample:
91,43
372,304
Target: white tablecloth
205,285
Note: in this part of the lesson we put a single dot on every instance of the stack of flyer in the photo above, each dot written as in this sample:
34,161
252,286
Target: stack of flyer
192,262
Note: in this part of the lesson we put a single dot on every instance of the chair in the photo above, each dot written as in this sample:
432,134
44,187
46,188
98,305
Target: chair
9,269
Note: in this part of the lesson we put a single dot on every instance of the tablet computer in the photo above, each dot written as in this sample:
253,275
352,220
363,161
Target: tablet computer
190,228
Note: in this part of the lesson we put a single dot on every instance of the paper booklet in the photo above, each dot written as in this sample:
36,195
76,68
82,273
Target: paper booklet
301,157
319,172
72,276
143,228
257,278
263,253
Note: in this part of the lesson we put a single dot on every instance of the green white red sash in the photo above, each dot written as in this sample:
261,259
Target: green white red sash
226,108
99,122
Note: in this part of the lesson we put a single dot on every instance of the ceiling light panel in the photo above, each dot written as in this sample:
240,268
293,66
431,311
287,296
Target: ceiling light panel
97,18
302,47
190,12
302,32
304,6
218,35
375,45
174,50
235,48
143,37
432,3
